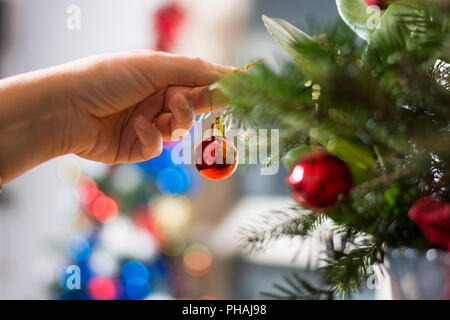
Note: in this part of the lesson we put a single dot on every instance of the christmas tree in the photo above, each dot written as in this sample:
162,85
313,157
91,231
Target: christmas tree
364,109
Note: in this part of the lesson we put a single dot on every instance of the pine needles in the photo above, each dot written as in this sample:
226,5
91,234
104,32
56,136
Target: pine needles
383,106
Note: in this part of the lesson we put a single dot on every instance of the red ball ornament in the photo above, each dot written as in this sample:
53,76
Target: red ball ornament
318,179
216,158
382,4
433,219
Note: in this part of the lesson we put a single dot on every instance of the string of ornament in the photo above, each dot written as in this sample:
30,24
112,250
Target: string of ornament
216,158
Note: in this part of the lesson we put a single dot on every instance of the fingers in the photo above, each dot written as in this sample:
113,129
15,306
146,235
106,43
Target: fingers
201,99
175,124
150,142
180,106
170,69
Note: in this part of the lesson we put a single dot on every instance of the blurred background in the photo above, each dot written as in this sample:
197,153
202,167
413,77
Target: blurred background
153,230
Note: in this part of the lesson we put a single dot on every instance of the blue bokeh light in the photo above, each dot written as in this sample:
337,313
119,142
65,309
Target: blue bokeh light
135,275
136,289
155,165
173,180
162,161
133,270
78,248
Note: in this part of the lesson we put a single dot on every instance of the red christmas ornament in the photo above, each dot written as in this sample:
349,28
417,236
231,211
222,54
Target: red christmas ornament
102,288
433,219
318,179
382,4
216,158
168,21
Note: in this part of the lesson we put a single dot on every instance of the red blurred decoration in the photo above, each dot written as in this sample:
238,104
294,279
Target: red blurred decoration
89,192
104,209
433,218
211,158
145,220
168,22
102,288
89,197
318,179
85,183
382,4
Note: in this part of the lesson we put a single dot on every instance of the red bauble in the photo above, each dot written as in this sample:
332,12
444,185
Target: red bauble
168,22
382,4
433,219
318,179
216,158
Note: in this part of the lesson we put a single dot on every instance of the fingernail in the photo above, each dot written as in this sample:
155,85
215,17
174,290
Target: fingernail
141,122
225,69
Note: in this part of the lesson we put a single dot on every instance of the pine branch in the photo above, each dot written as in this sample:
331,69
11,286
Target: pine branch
256,237
296,288
347,270
381,106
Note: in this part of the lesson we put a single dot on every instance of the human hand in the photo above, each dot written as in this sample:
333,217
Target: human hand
122,106
111,108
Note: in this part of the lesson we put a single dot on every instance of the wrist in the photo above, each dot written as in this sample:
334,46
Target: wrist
33,108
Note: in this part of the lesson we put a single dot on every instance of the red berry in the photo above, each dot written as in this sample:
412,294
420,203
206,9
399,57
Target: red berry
382,4
318,179
216,159
433,219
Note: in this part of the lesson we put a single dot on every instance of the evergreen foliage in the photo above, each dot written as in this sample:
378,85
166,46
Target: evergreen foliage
382,105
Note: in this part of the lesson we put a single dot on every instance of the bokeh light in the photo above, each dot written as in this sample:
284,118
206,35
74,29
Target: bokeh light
173,180
69,171
88,190
104,209
197,260
124,239
162,161
136,289
134,271
144,219
103,263
78,248
102,288
135,275
172,213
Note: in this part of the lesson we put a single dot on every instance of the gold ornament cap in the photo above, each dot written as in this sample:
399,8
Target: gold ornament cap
218,129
